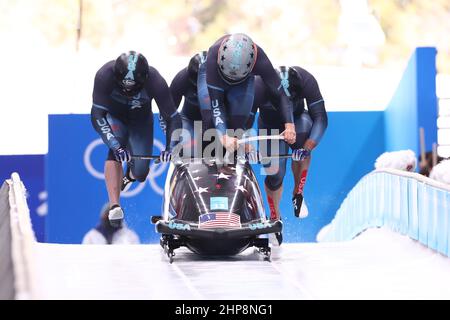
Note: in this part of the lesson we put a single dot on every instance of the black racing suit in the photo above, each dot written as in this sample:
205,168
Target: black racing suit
231,104
310,123
124,121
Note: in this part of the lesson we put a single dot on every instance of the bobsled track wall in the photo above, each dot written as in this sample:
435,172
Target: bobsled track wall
16,242
405,202
6,271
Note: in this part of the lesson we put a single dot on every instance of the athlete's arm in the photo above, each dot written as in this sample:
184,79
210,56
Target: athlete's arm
179,86
215,89
274,86
160,90
178,89
259,99
316,108
99,111
280,100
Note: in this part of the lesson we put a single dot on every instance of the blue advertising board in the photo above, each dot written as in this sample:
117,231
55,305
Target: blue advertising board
76,184
348,150
77,191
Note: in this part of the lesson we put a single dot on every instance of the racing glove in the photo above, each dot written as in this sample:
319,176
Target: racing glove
165,156
122,154
301,154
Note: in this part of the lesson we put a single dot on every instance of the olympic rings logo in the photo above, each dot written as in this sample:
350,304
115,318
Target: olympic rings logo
155,170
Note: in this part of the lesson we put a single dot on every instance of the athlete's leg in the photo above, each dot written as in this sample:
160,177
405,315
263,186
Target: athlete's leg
273,185
113,180
140,141
300,171
303,125
273,199
114,173
275,170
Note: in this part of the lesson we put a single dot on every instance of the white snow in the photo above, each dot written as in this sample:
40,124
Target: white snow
379,264
441,172
402,160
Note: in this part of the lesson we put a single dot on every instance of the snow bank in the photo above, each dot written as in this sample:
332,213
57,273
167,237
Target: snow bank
441,172
402,160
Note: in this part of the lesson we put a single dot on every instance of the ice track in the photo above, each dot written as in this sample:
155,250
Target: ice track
379,264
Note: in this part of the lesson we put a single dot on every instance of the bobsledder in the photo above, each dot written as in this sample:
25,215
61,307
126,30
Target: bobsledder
214,209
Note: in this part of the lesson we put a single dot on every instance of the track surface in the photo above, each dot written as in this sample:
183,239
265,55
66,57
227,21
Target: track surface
379,264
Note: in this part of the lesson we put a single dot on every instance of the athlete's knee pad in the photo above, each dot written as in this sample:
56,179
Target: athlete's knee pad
274,182
140,170
275,174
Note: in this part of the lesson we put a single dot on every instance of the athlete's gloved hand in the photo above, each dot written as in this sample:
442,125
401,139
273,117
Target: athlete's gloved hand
165,156
301,154
230,143
253,156
122,154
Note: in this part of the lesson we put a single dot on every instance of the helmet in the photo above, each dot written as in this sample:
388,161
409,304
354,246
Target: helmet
131,71
194,65
236,57
290,80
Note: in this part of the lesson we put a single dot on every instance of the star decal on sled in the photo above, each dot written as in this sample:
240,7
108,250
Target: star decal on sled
241,188
222,176
201,190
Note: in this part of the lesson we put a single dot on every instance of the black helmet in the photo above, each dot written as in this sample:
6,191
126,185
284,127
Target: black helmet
194,65
131,71
290,80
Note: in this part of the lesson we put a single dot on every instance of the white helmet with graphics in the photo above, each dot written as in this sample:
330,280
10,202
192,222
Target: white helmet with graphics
236,57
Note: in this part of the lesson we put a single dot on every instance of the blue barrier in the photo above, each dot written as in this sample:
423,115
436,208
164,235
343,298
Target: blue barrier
407,203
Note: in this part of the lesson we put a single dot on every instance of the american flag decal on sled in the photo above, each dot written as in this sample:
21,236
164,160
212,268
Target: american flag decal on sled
219,220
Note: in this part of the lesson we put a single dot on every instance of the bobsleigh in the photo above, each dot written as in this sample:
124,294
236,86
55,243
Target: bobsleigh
213,209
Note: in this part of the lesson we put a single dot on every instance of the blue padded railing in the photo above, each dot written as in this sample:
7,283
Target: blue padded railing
406,202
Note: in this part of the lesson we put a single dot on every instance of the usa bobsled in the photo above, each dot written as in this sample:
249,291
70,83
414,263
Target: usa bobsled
213,209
